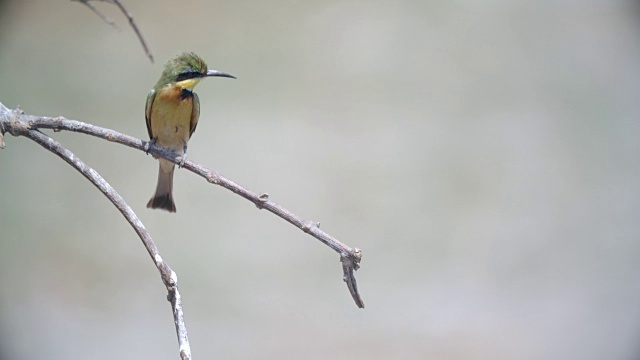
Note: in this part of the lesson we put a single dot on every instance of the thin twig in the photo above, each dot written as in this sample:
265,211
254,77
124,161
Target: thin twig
126,13
350,257
102,16
135,28
10,122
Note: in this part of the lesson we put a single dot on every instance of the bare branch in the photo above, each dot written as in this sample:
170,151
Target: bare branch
135,28
126,13
102,16
350,257
10,122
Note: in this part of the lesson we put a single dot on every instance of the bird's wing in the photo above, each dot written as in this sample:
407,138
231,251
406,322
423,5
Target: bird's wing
147,111
195,114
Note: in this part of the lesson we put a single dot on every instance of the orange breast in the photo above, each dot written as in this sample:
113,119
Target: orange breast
171,118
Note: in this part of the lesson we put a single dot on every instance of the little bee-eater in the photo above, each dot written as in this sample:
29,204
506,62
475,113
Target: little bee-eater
172,112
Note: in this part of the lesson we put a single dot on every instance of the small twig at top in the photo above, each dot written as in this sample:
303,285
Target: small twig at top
126,13
135,28
102,16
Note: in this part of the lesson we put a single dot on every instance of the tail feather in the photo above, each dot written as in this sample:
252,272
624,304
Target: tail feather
163,198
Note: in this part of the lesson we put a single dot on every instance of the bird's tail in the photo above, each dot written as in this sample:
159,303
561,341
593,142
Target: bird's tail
163,198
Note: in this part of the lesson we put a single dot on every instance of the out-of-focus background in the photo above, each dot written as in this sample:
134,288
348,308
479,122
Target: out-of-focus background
484,156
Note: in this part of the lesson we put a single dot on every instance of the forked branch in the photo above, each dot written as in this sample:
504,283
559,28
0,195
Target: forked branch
10,122
126,13
350,257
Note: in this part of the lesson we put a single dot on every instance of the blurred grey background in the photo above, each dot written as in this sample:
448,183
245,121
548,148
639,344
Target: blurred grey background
483,155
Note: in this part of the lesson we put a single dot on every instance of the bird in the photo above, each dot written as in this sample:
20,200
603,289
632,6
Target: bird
171,112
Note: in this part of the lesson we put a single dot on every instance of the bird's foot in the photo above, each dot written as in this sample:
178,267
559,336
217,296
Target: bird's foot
148,145
183,159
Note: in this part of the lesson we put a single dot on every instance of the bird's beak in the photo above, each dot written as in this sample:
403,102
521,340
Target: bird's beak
219,73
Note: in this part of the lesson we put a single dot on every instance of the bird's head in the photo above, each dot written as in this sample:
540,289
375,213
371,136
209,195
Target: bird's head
186,70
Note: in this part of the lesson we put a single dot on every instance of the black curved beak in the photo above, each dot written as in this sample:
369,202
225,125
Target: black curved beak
219,73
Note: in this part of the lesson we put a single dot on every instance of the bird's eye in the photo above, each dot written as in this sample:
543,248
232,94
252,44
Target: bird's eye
189,74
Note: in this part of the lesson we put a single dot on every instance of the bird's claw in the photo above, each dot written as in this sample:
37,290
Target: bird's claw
148,145
183,159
